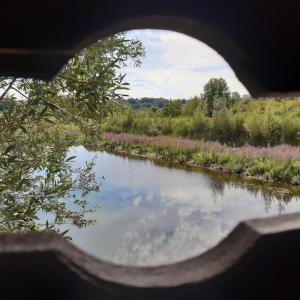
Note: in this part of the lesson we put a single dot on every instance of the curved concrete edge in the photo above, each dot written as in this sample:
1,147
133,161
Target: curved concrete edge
197,270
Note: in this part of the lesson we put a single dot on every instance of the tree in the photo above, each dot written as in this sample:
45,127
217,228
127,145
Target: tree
172,108
215,91
191,106
235,96
89,86
36,174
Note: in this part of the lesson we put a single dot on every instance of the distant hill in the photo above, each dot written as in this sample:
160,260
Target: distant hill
146,102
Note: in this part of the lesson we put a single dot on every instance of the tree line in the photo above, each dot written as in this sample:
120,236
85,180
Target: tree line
218,115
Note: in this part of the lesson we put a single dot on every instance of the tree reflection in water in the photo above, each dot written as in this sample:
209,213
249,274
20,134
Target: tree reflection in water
48,197
270,192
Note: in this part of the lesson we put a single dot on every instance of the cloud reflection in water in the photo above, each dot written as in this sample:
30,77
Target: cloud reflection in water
154,215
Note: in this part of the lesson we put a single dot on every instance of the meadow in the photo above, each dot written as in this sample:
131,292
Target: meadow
256,138
253,122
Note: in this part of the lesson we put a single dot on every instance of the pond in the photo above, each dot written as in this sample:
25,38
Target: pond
152,213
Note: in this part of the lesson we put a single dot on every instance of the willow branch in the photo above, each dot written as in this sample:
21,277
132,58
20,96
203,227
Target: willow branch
20,93
7,89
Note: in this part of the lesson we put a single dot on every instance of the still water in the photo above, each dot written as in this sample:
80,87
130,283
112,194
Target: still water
154,214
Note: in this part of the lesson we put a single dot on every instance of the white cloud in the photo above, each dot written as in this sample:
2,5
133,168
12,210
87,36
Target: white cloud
136,201
176,66
153,215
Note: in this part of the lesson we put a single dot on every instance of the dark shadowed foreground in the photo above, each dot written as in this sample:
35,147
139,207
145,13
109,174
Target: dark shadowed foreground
45,265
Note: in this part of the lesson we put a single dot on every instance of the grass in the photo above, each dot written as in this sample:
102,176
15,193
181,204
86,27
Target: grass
276,164
253,122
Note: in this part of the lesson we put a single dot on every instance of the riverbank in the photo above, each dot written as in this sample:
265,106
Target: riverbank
154,202
279,164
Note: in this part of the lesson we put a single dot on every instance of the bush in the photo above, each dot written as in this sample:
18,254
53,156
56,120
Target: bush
290,131
228,128
258,123
255,130
172,109
166,126
201,125
183,127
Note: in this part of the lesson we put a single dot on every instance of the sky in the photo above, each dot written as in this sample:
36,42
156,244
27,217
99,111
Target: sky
176,66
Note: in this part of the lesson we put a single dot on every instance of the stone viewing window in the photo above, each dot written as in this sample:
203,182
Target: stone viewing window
258,258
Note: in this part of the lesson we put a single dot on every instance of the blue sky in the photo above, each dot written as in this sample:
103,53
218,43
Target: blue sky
176,66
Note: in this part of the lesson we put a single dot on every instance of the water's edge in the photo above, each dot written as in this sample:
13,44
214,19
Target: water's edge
153,211
283,189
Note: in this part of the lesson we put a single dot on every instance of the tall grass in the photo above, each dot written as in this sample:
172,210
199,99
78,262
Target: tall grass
279,163
257,123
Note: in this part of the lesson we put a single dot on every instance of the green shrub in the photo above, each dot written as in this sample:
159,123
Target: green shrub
255,130
183,127
255,122
201,125
166,125
290,131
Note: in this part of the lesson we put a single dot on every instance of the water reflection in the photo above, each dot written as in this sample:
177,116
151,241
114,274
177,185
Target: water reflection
154,213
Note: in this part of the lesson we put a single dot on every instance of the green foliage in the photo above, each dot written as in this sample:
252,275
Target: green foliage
254,122
146,102
201,125
228,128
36,174
172,109
166,126
235,96
261,167
183,126
215,94
91,85
191,106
